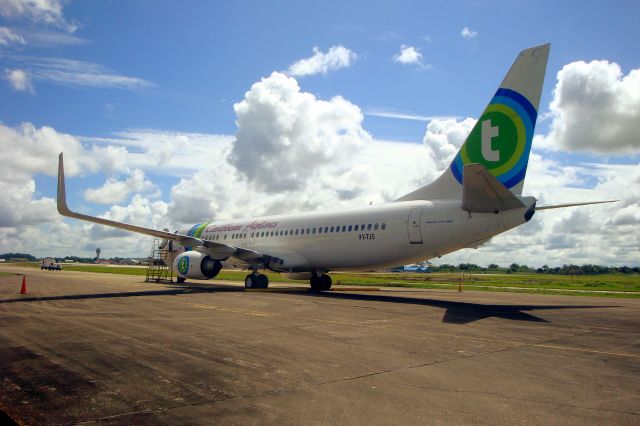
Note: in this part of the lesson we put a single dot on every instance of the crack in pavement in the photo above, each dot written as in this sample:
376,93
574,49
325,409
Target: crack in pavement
364,376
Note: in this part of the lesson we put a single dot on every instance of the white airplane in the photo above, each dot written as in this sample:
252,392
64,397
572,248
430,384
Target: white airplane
477,197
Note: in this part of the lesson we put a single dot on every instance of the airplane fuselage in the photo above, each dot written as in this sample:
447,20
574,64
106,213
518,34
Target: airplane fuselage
366,238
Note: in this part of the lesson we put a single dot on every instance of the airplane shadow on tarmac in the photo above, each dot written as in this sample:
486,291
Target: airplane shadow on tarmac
456,312
463,312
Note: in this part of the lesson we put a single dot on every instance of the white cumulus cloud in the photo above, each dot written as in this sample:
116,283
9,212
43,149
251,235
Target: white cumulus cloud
115,191
285,134
410,55
35,151
595,108
140,211
321,63
444,137
468,33
19,80
20,206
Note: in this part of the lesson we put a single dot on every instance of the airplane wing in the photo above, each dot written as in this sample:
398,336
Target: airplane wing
561,206
219,250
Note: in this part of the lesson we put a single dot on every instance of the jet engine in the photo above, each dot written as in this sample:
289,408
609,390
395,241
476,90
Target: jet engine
194,264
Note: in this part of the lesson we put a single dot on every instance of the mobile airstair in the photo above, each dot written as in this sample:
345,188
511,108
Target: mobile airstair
160,262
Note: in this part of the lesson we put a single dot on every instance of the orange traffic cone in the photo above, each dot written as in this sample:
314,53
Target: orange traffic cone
23,290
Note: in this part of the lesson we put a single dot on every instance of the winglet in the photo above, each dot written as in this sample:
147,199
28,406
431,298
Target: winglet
61,200
483,193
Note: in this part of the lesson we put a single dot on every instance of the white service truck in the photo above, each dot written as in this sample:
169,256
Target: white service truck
50,264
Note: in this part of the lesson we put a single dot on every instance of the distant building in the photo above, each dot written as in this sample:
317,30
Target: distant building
412,268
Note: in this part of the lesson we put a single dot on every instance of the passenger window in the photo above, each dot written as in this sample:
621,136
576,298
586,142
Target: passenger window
320,230
332,229
308,231
355,228
313,231
362,227
384,226
369,227
344,228
375,227
326,229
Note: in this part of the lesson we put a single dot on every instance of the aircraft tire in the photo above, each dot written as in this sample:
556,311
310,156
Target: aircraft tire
315,282
249,281
326,282
263,281
320,283
180,280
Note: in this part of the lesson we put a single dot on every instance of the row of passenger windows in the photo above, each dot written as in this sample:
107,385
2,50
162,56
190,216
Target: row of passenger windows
302,231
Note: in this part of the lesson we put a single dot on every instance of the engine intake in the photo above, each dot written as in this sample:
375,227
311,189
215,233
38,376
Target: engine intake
194,264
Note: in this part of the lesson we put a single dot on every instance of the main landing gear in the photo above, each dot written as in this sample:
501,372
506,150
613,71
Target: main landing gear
320,282
256,280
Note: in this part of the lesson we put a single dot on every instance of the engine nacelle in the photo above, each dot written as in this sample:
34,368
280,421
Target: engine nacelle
193,264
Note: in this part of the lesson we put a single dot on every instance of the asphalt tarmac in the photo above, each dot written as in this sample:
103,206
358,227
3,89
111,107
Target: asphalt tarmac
111,349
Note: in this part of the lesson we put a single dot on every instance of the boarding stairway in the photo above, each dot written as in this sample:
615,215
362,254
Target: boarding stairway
160,262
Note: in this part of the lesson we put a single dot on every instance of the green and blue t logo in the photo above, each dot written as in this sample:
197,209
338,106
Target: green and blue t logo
501,139
183,265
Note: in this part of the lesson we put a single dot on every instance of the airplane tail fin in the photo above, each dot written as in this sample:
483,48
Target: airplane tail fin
501,139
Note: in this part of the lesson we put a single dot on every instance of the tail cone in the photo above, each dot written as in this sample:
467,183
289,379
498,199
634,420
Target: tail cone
23,290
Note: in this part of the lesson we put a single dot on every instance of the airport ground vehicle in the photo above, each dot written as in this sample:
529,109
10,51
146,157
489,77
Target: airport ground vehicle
49,263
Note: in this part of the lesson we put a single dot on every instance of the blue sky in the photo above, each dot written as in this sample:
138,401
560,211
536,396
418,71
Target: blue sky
174,68
203,57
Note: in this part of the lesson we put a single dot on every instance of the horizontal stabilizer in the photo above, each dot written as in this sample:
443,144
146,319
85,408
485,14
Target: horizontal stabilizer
483,193
561,206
